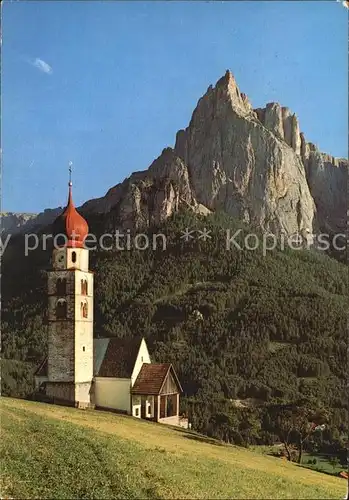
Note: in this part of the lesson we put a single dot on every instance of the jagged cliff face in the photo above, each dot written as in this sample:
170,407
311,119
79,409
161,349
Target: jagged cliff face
149,197
239,165
326,176
328,180
254,164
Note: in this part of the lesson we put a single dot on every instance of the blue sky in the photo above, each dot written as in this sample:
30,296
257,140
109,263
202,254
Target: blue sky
107,84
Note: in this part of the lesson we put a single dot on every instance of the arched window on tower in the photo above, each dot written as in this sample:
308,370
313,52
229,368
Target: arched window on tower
84,290
73,257
61,309
61,286
84,309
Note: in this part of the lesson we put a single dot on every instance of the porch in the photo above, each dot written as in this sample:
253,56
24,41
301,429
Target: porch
155,394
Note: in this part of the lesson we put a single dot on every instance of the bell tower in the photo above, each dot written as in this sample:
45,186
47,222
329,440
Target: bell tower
70,311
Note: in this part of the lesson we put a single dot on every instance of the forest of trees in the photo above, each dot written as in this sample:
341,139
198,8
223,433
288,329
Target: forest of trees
248,334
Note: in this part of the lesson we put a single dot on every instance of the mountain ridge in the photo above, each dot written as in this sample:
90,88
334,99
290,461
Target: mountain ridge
254,164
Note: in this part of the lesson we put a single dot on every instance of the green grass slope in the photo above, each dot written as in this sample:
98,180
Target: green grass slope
56,452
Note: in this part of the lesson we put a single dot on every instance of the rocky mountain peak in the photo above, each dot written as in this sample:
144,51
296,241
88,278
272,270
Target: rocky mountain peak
225,93
13,222
239,160
254,164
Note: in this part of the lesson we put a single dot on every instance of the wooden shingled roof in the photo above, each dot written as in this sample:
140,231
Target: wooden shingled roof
119,358
152,377
112,357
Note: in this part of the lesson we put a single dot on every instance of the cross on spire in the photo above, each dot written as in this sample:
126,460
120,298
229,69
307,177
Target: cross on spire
70,171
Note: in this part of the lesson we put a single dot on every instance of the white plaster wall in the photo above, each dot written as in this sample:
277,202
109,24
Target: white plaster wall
79,275
77,314
83,328
149,405
113,393
83,351
136,408
82,392
142,357
83,275
136,405
81,258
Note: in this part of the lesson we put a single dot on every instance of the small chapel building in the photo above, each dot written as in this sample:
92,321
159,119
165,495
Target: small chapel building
83,371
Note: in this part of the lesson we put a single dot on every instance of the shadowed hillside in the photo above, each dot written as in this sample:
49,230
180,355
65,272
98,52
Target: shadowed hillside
245,331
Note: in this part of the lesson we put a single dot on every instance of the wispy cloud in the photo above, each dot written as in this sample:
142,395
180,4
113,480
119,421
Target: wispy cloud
42,66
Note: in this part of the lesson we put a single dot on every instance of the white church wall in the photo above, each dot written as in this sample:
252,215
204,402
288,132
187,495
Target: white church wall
149,407
83,275
78,316
113,393
82,392
83,351
136,406
77,258
142,357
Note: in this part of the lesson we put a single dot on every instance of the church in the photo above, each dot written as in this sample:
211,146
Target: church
86,372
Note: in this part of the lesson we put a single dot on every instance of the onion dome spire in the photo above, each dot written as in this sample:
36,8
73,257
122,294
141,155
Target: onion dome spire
70,223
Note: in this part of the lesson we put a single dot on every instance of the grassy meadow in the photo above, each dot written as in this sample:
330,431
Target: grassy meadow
62,453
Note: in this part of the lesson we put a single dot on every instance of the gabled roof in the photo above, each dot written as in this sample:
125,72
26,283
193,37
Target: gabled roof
99,350
152,377
112,357
119,357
